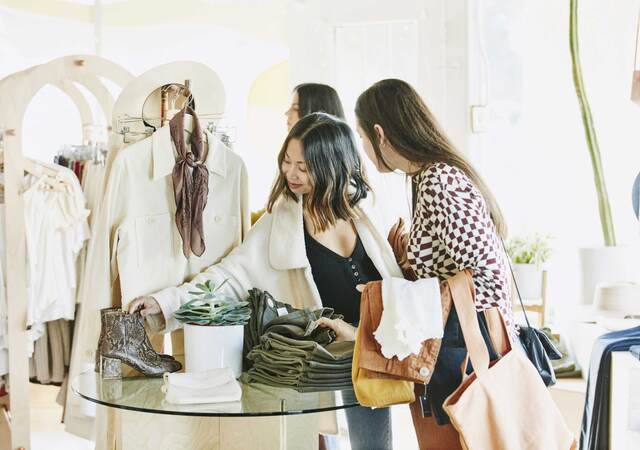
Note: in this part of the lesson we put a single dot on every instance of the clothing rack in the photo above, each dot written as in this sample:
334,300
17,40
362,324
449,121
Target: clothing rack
17,93
123,125
95,153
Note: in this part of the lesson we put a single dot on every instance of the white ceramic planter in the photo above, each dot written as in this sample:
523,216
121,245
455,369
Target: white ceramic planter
529,279
607,265
213,347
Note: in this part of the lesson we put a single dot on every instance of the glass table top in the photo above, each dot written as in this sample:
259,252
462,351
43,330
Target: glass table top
144,394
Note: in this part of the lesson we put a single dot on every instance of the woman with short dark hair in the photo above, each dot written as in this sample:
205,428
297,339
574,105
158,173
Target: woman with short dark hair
316,243
309,98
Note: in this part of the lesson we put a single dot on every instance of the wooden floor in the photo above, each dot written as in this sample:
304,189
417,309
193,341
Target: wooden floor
47,432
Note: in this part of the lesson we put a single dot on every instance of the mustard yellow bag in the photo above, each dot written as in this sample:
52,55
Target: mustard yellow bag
378,392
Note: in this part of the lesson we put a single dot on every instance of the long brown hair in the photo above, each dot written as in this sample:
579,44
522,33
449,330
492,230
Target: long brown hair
334,167
415,134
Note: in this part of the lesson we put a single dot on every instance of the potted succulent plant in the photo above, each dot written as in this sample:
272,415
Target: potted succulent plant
528,254
213,329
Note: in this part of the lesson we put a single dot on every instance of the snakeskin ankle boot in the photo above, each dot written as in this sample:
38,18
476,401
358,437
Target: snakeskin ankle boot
124,340
115,309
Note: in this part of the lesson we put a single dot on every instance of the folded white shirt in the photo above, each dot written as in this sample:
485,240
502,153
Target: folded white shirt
412,313
211,386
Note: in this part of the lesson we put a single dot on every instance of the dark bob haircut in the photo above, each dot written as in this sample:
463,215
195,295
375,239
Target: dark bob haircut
315,97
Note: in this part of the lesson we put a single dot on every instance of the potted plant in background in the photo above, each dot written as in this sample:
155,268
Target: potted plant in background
610,263
528,254
213,329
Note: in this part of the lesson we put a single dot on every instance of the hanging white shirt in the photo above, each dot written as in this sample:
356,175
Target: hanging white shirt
56,228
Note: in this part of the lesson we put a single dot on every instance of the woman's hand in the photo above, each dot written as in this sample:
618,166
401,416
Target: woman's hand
344,331
146,305
399,241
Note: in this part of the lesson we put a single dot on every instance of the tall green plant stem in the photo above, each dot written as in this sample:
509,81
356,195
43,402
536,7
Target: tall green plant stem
589,130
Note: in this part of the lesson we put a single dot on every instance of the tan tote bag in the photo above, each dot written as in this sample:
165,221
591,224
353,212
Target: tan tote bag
503,405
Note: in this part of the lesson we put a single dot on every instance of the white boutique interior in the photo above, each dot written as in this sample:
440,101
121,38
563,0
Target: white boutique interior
543,97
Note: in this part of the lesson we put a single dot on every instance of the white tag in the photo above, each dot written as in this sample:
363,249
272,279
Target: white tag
270,302
282,312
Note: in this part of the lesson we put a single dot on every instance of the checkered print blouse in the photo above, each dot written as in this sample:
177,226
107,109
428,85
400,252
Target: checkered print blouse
452,231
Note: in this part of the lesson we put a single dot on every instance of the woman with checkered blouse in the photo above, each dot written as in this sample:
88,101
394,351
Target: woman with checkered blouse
456,225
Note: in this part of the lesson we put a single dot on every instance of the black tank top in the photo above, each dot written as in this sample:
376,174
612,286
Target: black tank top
337,277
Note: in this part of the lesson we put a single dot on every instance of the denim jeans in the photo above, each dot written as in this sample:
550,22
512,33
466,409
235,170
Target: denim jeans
369,429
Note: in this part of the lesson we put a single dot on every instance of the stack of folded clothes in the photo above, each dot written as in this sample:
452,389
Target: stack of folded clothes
264,308
211,386
291,351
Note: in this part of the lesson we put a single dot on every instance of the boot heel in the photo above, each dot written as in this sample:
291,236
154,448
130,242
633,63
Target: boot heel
110,368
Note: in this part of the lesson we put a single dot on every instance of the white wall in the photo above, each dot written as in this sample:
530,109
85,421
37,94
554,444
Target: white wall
534,155
51,120
538,165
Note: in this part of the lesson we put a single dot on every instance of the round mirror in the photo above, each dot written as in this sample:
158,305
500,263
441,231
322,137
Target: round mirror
174,95
635,196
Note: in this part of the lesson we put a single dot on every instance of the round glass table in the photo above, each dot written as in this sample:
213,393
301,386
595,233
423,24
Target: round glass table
142,394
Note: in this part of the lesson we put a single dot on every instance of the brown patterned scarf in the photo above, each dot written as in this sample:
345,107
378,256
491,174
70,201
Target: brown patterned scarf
190,183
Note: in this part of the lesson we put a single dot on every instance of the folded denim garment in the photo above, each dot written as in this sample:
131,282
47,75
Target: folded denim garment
211,386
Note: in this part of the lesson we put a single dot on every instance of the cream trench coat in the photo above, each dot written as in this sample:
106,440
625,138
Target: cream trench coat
135,246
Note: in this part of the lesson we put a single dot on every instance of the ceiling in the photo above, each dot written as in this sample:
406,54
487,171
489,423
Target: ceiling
264,19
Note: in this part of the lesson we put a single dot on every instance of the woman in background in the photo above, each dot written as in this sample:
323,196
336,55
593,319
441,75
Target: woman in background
308,98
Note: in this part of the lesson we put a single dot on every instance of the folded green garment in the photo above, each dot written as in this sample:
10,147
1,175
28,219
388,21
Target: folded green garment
282,358
268,313
346,365
277,371
327,376
304,380
286,370
253,376
320,388
302,325
309,350
267,357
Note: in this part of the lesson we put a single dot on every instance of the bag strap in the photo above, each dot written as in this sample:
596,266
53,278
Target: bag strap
463,293
515,282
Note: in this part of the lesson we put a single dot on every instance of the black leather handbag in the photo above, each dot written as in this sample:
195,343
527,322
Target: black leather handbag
537,345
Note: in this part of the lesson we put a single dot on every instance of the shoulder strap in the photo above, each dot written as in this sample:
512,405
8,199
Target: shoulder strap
462,293
515,282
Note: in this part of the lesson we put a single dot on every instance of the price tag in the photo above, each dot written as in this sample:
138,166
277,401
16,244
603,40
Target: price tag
282,312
